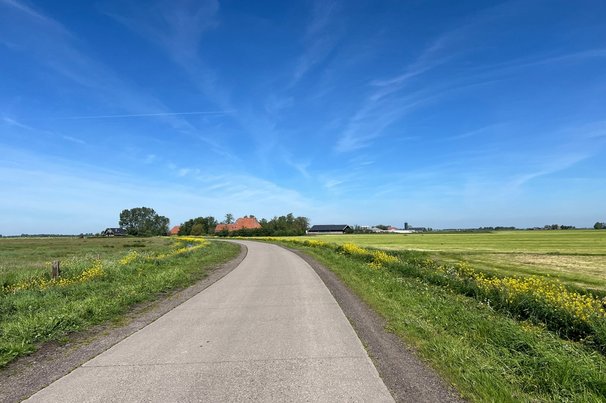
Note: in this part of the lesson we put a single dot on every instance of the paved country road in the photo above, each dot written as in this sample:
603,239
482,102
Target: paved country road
268,331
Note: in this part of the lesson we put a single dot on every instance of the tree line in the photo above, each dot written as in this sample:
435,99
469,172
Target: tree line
286,225
144,221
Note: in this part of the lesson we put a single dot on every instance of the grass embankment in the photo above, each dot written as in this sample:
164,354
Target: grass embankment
101,279
488,335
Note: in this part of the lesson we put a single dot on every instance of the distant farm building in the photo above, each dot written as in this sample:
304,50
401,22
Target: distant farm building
329,229
174,230
114,232
241,223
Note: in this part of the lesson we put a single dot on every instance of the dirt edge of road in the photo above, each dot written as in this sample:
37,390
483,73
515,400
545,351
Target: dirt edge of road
27,375
405,375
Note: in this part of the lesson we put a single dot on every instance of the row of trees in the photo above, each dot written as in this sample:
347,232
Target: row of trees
144,221
599,225
285,225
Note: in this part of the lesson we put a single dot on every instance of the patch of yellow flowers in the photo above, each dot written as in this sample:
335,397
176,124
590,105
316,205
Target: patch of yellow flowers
551,292
193,244
378,258
129,258
305,242
41,283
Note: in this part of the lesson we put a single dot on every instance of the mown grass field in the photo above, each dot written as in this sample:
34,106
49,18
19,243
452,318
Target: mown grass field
102,278
495,336
575,257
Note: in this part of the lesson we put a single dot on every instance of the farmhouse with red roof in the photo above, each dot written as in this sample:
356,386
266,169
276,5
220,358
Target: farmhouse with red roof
243,222
174,230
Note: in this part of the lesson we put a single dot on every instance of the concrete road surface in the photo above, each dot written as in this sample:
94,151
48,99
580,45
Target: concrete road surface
268,331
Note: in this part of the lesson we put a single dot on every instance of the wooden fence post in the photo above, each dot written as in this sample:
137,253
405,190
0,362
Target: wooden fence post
56,270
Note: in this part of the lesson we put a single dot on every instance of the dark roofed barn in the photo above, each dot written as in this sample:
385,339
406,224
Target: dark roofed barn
114,232
330,229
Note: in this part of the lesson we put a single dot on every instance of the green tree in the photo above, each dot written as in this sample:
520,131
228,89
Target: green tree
229,218
198,226
197,229
143,221
599,225
286,225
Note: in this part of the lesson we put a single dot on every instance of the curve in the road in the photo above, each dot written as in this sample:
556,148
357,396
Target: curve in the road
269,330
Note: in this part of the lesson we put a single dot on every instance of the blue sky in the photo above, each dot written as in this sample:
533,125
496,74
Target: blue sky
437,113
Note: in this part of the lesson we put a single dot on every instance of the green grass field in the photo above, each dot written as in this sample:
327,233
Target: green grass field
102,278
24,257
575,257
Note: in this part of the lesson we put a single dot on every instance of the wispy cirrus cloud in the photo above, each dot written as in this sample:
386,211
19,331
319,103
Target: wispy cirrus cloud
384,104
52,45
178,29
421,83
548,166
177,26
321,36
165,24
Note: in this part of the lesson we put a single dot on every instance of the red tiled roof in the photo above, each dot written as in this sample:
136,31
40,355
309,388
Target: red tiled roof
244,222
247,222
174,230
221,227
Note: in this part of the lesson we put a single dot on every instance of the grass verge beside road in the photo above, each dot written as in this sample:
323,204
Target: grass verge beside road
489,354
101,279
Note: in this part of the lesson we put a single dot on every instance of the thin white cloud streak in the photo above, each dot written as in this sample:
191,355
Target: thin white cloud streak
49,22
13,122
141,115
553,165
587,131
300,167
74,140
488,129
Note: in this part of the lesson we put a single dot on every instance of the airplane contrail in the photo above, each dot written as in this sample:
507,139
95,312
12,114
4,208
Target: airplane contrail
142,115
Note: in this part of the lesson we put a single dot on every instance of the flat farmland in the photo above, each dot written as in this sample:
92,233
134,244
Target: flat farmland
101,279
576,257
24,257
